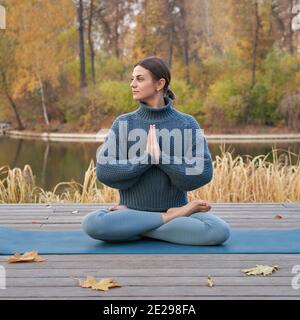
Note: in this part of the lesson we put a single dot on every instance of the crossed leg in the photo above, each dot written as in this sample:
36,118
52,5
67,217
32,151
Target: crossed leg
198,229
126,225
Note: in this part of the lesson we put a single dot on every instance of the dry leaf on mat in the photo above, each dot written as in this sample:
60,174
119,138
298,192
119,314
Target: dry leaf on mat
103,284
277,216
261,269
31,256
210,282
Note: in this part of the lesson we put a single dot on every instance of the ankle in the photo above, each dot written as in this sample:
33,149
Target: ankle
167,216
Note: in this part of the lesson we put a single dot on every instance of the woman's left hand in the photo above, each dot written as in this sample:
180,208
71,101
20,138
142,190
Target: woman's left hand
153,146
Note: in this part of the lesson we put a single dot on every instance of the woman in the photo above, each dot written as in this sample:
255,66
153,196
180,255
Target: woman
153,186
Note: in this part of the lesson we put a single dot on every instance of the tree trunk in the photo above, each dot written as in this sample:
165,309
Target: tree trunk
12,103
255,43
44,107
116,30
170,33
185,40
290,29
15,109
91,44
81,44
45,162
207,23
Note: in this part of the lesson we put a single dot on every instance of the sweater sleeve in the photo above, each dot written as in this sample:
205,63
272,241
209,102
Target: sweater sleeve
195,168
113,167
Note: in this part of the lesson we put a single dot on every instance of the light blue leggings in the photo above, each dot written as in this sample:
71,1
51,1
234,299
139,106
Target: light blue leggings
200,228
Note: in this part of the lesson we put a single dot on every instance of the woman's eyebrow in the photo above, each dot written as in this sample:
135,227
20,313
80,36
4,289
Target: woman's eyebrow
137,75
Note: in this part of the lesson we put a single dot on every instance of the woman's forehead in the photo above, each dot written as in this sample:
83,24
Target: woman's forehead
139,71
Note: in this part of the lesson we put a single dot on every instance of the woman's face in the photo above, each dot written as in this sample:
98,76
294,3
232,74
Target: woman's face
142,85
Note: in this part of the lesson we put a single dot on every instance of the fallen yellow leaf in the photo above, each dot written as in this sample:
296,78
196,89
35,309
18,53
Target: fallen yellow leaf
261,269
31,256
103,284
210,282
277,216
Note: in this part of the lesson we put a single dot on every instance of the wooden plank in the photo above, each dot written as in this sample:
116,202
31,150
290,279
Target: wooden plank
135,272
233,215
203,257
89,209
24,216
78,226
295,216
291,204
154,281
143,264
161,298
97,205
258,220
242,221
23,221
32,226
232,225
244,211
228,208
60,206
190,291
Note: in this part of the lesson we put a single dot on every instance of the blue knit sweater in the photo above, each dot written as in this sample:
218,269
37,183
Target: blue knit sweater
143,183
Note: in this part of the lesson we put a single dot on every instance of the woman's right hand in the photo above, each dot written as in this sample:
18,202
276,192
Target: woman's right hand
152,146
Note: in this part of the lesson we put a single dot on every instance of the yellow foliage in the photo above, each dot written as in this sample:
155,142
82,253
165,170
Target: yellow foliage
104,284
261,270
31,256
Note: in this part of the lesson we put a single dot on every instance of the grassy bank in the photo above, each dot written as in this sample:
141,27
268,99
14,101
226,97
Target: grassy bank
239,179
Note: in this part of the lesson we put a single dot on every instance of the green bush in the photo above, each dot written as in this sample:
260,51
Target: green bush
188,99
116,97
276,77
73,107
262,109
109,67
226,102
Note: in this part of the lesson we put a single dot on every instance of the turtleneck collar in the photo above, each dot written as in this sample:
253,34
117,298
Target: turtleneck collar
156,114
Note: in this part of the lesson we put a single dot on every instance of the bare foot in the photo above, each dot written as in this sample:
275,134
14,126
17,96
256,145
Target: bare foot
117,207
189,208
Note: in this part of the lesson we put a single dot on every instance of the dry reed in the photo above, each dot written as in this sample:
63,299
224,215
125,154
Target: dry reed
250,179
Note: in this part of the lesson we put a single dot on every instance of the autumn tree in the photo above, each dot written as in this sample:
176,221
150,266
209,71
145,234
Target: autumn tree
8,71
37,28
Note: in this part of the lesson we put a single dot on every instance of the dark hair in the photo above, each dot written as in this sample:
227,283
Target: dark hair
159,69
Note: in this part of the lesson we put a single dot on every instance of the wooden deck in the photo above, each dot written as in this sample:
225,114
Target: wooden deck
150,276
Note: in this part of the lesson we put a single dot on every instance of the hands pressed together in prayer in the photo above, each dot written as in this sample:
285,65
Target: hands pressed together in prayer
152,144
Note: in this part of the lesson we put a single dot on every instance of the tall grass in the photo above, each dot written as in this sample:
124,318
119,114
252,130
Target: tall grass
254,179
250,179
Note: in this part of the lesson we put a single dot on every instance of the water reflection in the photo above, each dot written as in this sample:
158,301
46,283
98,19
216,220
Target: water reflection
54,162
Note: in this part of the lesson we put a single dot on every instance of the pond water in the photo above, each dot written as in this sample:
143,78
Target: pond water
54,162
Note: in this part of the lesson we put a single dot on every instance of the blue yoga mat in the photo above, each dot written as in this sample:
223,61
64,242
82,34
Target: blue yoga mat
78,242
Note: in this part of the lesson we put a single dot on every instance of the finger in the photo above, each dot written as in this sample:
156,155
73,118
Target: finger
151,139
148,140
154,136
204,203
